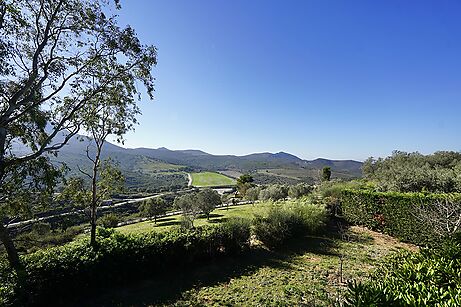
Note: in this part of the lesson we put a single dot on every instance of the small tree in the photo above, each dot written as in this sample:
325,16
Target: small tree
110,220
252,194
188,204
208,199
244,182
326,173
153,208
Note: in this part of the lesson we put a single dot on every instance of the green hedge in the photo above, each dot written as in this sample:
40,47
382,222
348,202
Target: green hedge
392,213
57,272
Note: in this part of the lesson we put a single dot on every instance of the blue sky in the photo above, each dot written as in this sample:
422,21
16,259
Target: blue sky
332,79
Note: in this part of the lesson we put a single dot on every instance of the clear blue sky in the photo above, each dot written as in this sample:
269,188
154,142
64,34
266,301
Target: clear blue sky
334,79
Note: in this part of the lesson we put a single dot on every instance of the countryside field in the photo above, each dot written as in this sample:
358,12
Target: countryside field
210,179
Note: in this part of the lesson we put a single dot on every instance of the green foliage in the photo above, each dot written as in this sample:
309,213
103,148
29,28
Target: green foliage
397,214
207,200
284,222
326,173
109,220
252,194
189,205
274,193
246,178
57,272
414,172
427,278
153,207
299,190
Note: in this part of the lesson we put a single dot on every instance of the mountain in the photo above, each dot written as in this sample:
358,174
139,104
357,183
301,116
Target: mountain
147,168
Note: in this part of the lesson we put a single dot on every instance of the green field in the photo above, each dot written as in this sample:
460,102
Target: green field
217,216
210,179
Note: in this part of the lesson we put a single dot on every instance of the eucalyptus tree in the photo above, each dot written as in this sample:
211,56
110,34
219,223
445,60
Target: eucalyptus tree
56,58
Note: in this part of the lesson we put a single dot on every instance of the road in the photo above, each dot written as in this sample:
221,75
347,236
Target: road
190,180
44,218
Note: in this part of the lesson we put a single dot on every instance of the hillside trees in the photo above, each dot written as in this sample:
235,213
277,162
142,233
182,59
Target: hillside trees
414,172
56,58
244,182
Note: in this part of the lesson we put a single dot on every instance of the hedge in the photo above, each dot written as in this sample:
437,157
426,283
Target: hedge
393,213
57,272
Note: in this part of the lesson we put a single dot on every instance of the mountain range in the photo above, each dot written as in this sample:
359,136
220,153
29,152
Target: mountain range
147,168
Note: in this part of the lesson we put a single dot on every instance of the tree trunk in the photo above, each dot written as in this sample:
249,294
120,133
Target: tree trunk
13,256
94,200
5,238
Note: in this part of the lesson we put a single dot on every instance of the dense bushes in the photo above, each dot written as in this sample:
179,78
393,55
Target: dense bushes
428,278
283,222
411,217
57,272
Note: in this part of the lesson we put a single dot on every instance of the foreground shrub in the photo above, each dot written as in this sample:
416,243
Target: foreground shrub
427,278
284,222
57,272
411,217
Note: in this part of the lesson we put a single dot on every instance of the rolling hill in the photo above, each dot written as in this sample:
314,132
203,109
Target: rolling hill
154,169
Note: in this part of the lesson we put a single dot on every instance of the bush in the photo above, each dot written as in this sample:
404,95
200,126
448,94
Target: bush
110,220
284,222
57,272
273,192
299,190
427,278
396,213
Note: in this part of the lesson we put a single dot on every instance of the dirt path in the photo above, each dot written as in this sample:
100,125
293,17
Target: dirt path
190,180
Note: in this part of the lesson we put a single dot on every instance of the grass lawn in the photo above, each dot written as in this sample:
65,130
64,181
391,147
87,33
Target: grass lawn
304,273
210,179
217,216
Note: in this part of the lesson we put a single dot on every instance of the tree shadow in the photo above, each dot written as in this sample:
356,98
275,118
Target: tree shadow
168,287
171,222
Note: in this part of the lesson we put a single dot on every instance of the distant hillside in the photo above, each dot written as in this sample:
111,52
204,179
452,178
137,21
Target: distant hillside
147,168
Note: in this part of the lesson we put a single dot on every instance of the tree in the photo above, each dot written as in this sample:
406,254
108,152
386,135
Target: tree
110,220
56,56
188,204
108,180
326,173
273,192
246,178
153,207
244,182
299,190
252,194
207,200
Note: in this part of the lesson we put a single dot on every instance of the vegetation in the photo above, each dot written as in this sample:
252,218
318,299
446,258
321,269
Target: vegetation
57,58
414,172
153,208
207,200
403,215
58,271
326,173
109,220
428,278
210,179
285,222
273,192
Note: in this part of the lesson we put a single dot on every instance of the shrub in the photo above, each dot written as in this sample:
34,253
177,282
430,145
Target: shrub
299,190
427,278
110,220
273,192
284,222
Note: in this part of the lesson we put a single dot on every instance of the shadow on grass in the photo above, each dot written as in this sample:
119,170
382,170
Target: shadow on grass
168,287
168,223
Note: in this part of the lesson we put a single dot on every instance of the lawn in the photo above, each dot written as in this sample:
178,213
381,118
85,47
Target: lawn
217,216
210,179
304,273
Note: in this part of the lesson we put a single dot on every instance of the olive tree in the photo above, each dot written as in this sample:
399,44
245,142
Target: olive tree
153,208
56,58
207,200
